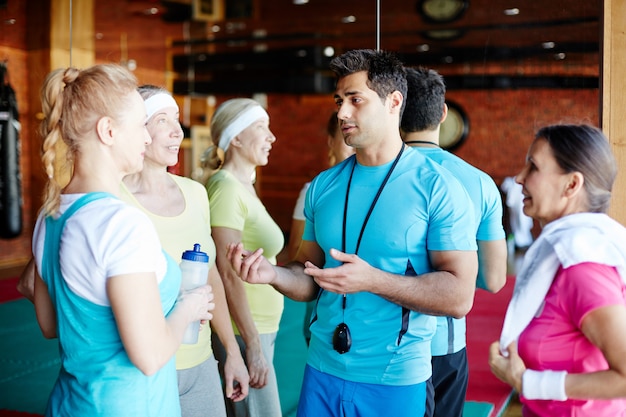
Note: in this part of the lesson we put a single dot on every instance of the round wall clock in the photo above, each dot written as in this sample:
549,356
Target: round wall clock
455,128
442,11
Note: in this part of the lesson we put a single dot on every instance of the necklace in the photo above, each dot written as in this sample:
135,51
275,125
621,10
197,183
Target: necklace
423,142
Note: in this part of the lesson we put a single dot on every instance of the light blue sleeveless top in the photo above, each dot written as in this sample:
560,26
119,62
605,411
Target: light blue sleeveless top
97,378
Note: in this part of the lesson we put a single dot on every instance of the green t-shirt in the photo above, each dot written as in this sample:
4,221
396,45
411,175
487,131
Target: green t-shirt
234,207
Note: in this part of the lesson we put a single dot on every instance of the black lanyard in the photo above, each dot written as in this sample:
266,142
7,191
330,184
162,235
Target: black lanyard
367,217
369,212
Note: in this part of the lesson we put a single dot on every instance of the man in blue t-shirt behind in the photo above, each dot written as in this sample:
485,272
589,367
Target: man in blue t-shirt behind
421,122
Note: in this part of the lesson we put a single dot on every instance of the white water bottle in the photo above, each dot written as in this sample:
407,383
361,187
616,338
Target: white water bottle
195,270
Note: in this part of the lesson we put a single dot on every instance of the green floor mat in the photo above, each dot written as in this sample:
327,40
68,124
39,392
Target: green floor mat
29,363
290,356
477,409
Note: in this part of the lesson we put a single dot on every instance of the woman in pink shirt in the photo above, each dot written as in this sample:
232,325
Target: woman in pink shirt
563,341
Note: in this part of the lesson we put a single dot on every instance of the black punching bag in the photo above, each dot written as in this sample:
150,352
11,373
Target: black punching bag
10,178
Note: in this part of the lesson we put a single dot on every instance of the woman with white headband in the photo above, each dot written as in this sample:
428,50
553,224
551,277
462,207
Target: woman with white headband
179,209
243,140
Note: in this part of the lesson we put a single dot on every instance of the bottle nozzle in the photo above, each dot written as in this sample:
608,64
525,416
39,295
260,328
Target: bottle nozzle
196,254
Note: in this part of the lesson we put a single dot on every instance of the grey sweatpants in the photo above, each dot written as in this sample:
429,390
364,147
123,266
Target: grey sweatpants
200,390
262,402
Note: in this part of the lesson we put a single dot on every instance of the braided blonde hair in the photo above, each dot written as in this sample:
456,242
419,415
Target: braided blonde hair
72,102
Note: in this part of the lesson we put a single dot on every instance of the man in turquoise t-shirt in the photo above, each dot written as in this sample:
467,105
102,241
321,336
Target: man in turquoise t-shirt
388,242
420,126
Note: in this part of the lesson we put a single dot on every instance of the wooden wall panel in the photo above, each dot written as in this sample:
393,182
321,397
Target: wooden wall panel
613,97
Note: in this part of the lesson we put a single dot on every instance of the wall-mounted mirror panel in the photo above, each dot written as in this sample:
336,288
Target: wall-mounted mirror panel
286,45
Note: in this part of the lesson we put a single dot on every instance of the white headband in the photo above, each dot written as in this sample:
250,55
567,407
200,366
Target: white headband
158,102
236,127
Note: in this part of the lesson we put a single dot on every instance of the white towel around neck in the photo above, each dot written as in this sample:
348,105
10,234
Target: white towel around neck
570,240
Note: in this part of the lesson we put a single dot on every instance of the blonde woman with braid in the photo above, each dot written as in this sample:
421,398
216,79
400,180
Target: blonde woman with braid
240,131
103,285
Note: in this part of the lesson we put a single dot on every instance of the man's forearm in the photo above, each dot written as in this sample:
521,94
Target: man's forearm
437,293
292,282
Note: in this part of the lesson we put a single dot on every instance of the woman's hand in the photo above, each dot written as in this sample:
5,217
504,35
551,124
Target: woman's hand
257,366
198,303
508,369
237,379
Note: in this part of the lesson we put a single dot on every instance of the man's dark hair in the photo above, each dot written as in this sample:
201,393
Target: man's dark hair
424,101
385,72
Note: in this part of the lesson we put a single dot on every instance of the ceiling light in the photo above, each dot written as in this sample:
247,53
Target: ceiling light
511,12
329,51
348,19
300,2
548,45
560,56
234,26
259,33
423,47
236,43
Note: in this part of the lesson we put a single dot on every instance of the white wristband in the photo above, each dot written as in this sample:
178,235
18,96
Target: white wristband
544,385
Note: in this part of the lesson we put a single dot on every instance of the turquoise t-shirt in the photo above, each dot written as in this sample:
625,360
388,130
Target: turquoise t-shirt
422,208
485,196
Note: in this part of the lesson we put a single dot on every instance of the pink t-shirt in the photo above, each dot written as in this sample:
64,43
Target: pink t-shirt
554,341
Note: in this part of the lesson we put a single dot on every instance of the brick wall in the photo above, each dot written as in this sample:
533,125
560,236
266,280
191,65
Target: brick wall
13,51
502,125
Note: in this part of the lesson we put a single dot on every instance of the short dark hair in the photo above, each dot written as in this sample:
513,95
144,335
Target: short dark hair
426,96
385,72
585,149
